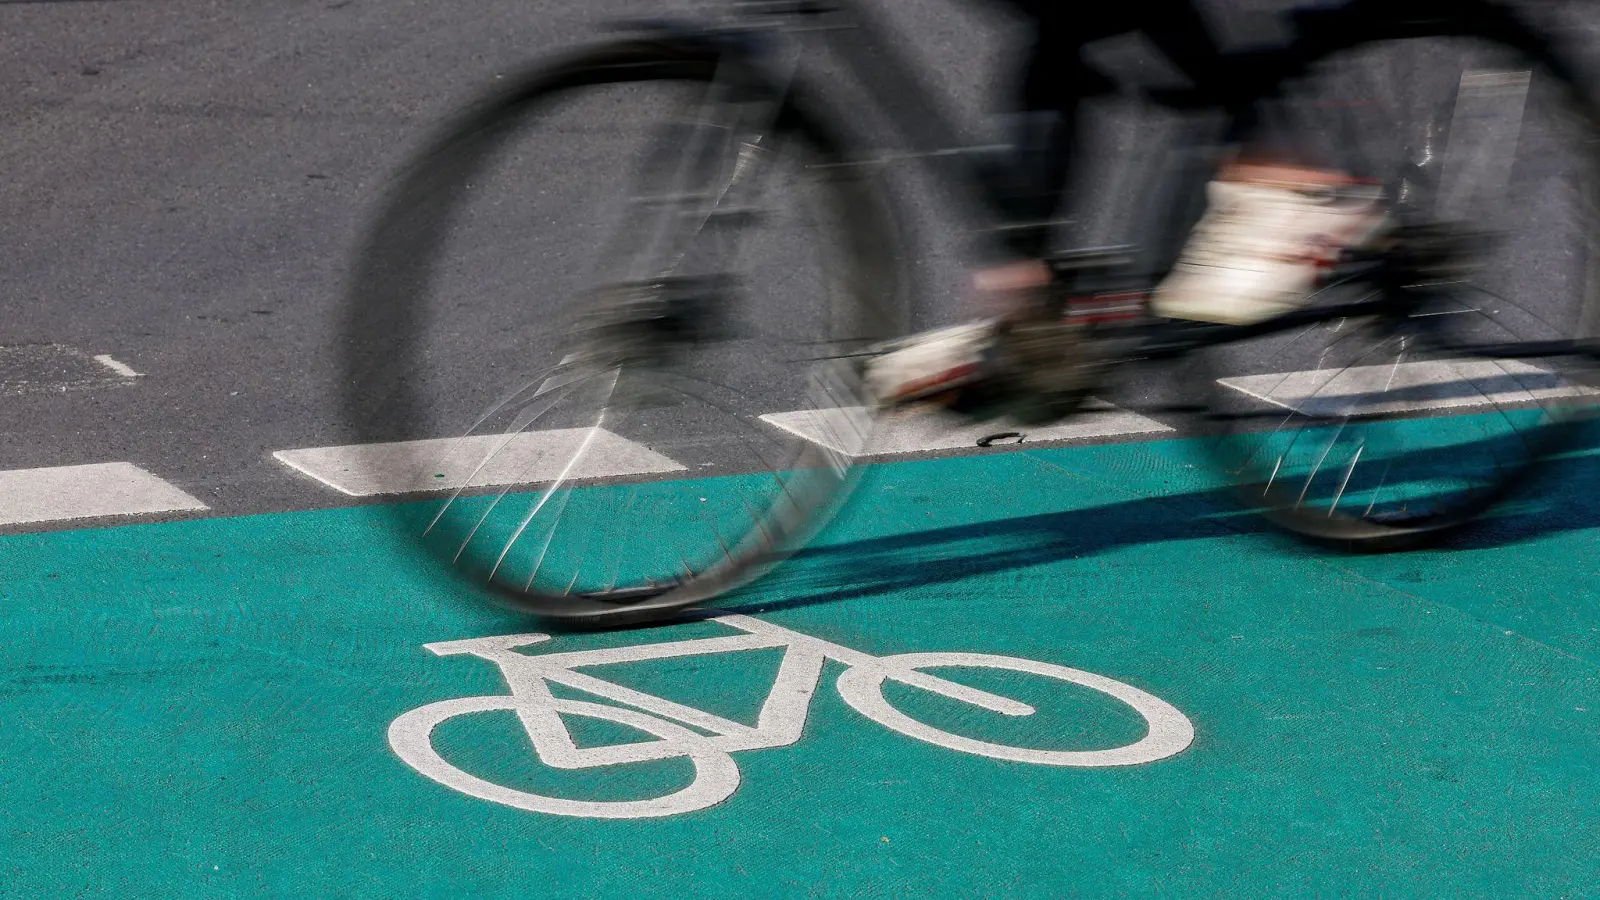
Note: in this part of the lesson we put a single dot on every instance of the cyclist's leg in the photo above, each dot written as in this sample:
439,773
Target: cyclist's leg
1031,185
1276,216
1044,117
1055,80
1030,188
1042,134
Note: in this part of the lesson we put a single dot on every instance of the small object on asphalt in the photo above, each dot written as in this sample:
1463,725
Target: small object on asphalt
1004,436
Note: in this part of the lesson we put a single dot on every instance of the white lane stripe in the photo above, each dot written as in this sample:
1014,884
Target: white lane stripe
121,368
918,431
1408,387
86,492
404,467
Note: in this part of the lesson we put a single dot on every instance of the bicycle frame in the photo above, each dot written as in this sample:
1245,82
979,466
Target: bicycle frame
782,716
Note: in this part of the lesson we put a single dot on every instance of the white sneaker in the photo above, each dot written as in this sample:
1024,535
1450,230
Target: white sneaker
928,364
1263,247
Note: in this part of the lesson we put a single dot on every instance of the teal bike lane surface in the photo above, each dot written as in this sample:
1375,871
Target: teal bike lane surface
245,707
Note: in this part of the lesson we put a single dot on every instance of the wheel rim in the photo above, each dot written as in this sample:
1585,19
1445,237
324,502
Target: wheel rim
675,419
1370,429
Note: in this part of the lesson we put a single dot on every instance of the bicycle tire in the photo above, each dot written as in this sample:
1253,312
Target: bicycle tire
385,312
1169,731
1234,447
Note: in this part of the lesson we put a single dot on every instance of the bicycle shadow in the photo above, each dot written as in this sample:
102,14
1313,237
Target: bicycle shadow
1551,503
1557,500
907,561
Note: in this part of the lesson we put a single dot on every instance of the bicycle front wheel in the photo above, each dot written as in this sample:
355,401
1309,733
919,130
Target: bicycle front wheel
1387,431
1166,731
602,315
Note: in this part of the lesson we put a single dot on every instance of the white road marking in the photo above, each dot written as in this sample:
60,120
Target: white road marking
403,467
52,368
922,431
1408,387
86,492
121,368
781,722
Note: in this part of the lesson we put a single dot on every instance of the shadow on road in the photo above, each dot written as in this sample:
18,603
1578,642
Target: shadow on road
1560,499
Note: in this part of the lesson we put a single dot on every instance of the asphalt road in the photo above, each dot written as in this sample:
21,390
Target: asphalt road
185,188
186,184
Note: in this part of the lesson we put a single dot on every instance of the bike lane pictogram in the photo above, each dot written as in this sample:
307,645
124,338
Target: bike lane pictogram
1042,673
781,720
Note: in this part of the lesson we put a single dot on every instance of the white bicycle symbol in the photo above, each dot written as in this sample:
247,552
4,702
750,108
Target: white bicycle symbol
779,724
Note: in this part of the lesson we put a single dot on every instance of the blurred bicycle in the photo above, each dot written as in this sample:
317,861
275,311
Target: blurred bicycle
719,244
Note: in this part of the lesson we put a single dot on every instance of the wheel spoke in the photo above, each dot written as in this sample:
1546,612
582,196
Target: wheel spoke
1474,134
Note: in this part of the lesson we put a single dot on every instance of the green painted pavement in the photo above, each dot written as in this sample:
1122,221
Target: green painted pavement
201,709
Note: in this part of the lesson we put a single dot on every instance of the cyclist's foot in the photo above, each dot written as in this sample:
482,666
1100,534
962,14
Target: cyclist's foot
939,364
926,366
1269,236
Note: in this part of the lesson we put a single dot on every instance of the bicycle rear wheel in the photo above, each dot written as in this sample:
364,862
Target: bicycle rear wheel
1387,431
579,304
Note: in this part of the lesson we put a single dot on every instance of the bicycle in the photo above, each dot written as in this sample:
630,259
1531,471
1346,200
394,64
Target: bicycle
780,723
1331,419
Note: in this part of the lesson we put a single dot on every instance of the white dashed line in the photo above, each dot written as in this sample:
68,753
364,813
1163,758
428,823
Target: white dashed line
1408,387
121,368
921,432
404,467
86,492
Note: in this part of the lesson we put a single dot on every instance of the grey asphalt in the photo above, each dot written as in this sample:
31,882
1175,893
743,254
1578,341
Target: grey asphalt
186,183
